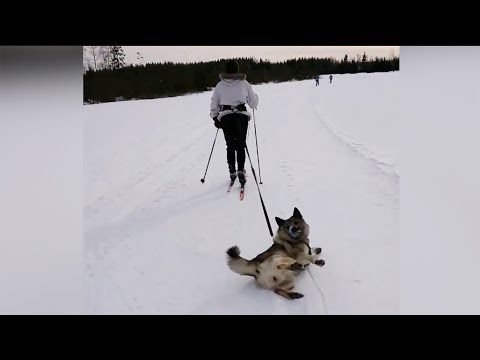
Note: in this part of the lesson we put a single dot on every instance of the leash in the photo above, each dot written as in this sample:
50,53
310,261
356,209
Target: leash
258,187
319,290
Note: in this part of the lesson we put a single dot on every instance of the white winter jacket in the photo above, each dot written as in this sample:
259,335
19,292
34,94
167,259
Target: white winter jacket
233,90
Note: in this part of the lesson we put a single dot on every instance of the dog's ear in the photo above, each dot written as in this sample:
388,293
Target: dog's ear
279,221
296,213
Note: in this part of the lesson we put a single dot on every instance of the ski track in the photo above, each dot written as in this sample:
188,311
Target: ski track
155,239
384,164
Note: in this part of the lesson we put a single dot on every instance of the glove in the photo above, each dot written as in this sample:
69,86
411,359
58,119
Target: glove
217,123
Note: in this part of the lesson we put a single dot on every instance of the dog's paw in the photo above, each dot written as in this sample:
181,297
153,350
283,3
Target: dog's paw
318,250
320,262
296,267
295,295
304,267
233,252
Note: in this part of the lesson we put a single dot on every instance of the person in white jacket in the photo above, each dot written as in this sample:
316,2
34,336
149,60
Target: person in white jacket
229,113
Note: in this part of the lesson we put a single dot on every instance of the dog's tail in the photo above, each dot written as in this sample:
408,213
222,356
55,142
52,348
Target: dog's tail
238,264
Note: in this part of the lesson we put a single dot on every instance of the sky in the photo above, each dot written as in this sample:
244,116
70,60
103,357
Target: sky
154,54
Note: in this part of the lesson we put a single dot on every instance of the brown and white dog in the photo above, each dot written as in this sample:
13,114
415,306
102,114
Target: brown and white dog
277,267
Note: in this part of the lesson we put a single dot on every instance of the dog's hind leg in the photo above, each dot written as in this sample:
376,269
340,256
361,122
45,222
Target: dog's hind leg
296,266
291,265
287,294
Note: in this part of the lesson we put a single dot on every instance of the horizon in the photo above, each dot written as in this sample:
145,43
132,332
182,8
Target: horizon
272,54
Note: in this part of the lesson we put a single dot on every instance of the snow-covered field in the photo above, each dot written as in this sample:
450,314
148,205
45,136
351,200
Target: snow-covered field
155,237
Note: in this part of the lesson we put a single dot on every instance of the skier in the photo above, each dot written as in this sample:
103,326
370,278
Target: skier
317,80
229,113
331,78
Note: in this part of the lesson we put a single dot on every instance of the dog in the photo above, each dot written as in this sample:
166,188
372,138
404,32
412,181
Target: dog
277,267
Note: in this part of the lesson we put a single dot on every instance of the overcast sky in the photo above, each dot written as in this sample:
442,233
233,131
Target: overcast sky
153,54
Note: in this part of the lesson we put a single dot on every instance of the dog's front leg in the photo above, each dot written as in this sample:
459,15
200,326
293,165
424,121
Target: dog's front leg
306,259
288,295
316,252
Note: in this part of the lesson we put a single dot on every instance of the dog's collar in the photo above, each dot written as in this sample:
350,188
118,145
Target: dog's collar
304,242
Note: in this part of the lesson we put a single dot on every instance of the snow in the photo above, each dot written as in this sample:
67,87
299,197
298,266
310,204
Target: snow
373,133
155,237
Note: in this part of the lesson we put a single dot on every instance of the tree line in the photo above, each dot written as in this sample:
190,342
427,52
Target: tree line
107,77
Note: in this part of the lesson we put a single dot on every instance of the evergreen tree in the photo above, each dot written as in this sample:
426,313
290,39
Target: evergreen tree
117,57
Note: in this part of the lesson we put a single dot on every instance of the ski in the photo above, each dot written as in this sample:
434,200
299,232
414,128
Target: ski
242,192
231,185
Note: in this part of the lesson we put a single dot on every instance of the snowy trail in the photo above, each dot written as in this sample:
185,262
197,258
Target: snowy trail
156,237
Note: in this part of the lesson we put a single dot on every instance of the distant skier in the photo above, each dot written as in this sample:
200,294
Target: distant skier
331,78
317,80
229,113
